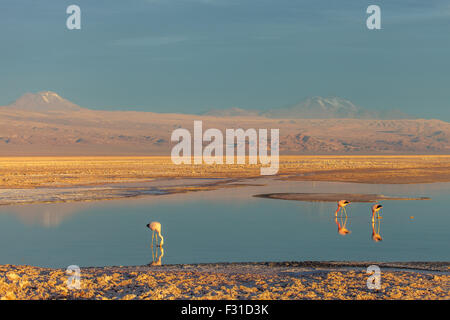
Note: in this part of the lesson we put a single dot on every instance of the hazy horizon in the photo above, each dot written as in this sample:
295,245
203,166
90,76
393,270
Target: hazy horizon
191,56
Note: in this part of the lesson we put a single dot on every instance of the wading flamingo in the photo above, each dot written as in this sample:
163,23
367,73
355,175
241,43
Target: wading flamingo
156,227
341,205
376,210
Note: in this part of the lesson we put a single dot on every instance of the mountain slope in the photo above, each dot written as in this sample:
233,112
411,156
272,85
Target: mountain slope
316,108
57,127
232,112
45,101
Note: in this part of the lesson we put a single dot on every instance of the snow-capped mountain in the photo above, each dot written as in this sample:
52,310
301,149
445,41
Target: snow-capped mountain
44,101
315,108
331,108
46,124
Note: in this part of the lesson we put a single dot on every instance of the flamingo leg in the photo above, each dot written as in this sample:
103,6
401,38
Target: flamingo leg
153,233
345,210
160,240
153,254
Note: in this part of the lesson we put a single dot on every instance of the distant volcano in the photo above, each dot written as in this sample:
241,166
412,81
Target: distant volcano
45,101
317,108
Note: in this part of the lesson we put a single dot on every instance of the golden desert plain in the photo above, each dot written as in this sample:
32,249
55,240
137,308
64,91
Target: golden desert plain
32,172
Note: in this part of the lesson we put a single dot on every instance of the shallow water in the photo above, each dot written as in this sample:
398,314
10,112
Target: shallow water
229,225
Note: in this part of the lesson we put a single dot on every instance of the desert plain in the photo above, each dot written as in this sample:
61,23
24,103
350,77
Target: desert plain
33,172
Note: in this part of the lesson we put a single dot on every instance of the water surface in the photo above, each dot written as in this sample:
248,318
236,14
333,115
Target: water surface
229,225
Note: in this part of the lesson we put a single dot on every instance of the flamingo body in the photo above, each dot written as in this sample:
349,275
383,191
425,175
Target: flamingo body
156,227
376,210
341,205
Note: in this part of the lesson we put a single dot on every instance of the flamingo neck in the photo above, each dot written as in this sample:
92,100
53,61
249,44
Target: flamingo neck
337,210
338,224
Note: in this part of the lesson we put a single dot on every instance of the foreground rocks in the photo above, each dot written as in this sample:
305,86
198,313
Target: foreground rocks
230,281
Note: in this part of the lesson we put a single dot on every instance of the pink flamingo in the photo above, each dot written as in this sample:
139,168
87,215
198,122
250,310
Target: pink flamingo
376,210
341,205
156,227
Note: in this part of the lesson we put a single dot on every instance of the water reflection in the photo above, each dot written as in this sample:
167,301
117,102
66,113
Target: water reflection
113,232
157,255
342,225
46,215
376,225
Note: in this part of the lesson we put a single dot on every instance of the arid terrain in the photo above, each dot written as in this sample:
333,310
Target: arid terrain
32,172
42,136
47,124
290,280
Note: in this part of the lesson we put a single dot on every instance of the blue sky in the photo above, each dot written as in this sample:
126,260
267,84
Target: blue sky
193,55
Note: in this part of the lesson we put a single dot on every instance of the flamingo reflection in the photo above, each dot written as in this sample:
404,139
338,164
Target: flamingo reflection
342,230
376,224
156,258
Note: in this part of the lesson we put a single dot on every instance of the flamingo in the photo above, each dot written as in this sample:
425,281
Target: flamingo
156,227
375,210
341,205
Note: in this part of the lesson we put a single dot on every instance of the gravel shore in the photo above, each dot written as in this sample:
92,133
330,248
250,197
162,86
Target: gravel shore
276,280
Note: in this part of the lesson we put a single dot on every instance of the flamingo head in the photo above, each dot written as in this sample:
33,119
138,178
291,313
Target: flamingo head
376,207
343,203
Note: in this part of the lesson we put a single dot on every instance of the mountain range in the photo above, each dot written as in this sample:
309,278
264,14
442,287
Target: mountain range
315,108
44,123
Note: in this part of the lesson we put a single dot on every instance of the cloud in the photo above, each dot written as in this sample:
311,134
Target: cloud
150,41
207,2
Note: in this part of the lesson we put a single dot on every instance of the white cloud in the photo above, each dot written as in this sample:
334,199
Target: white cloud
209,2
150,41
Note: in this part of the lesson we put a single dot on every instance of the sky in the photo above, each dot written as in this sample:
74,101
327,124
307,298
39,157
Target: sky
191,56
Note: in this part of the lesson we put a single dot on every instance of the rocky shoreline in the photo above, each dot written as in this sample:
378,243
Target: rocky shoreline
265,280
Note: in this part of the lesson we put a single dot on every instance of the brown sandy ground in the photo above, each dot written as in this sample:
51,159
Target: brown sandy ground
334,197
31,172
290,280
